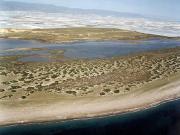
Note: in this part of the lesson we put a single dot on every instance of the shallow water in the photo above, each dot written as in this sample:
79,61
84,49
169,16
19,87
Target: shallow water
88,50
161,120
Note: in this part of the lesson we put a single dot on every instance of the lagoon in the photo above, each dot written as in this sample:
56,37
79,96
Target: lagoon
80,50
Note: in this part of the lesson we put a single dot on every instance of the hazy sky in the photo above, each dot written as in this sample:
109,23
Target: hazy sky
164,8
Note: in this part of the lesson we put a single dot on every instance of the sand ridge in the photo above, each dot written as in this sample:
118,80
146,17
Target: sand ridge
63,35
33,92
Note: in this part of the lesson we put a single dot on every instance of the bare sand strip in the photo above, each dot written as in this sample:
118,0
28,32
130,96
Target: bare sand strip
63,35
41,110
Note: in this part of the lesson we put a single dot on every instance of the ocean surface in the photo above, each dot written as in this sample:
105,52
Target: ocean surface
160,120
87,50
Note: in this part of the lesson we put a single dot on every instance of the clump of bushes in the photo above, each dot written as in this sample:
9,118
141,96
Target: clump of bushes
64,72
102,93
71,92
3,73
84,88
2,90
30,88
23,97
116,91
15,87
10,95
6,83
30,76
47,79
21,79
13,90
24,74
54,76
106,90
127,89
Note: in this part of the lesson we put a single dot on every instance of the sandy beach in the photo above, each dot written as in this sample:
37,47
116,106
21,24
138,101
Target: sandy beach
40,110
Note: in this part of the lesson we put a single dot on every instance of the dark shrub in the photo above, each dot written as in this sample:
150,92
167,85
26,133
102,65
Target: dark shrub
23,97
2,90
15,87
106,90
71,92
116,91
13,90
102,93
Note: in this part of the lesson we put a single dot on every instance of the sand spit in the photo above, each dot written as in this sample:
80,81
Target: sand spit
35,92
61,35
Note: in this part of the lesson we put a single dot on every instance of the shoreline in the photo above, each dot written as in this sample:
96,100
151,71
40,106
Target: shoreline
153,105
119,111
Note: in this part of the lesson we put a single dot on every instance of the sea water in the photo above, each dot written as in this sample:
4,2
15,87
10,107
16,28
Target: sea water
160,120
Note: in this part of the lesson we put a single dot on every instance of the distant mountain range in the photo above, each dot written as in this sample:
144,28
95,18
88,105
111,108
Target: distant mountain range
22,6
